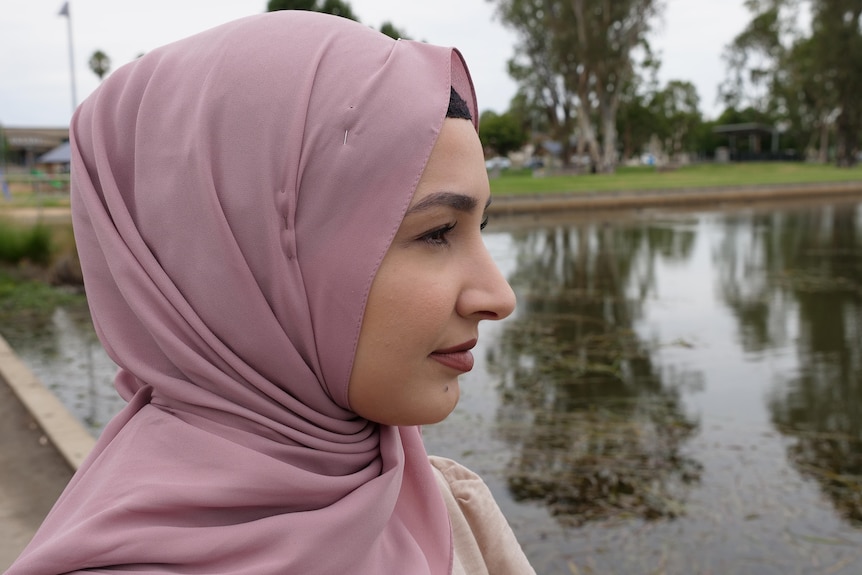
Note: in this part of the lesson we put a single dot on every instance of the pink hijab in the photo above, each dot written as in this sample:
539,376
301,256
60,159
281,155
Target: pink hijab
233,196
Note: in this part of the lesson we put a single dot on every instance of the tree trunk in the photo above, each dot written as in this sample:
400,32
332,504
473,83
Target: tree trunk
824,143
848,139
609,139
589,135
609,133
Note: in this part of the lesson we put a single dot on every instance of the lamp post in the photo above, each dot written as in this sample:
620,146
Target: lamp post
4,185
64,11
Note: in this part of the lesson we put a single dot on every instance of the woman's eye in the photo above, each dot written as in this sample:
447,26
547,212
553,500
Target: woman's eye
439,236
484,223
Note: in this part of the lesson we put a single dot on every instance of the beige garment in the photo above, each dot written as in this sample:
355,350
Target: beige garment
484,542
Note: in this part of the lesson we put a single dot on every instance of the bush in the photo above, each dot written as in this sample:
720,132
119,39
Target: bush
19,243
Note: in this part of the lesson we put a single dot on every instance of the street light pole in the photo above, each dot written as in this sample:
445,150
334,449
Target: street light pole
64,11
4,185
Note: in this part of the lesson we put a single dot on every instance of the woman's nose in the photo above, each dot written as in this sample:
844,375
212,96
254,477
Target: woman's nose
487,294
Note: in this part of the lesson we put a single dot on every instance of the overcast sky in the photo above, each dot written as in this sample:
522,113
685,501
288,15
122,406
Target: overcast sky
35,85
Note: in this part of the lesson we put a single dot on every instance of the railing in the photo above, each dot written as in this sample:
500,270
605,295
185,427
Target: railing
40,183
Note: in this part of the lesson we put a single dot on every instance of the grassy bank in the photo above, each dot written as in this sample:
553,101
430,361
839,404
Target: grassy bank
626,178
525,182
22,295
39,272
28,303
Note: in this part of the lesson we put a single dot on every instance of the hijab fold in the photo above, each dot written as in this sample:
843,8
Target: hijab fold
233,194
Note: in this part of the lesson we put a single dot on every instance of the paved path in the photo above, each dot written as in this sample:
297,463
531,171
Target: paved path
32,475
41,443
53,214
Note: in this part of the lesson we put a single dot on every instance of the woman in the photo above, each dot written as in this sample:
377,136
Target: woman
279,232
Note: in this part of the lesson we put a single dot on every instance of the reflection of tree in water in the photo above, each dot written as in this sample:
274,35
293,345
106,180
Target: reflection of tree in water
806,265
596,427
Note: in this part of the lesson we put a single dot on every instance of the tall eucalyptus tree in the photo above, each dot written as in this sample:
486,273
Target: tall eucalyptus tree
809,80
574,58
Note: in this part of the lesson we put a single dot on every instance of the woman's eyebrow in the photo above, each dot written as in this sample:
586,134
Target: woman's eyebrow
459,202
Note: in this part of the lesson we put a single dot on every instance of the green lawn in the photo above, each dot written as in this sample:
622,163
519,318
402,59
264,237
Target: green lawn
695,176
638,178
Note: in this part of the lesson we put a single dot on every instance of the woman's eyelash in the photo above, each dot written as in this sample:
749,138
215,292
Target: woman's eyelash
438,237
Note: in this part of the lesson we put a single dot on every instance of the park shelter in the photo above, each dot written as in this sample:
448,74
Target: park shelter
753,141
56,160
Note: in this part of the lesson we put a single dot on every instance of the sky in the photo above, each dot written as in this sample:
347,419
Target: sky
35,71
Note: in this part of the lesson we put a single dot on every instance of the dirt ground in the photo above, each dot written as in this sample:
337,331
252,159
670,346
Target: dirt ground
30,215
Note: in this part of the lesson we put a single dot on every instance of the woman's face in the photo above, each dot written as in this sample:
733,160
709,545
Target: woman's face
434,286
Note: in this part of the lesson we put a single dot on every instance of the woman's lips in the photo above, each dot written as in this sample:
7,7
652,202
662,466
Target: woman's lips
458,360
458,357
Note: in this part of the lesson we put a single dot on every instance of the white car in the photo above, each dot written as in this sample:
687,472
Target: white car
498,163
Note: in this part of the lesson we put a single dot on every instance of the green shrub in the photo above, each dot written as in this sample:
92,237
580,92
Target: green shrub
20,243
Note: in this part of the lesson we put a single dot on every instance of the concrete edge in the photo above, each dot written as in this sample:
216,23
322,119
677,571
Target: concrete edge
514,205
67,434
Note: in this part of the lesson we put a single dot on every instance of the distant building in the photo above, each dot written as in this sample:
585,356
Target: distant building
57,160
748,142
26,145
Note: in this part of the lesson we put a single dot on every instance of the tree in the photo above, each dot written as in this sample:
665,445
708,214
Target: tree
837,38
390,30
770,70
4,148
540,73
754,57
501,133
607,35
807,101
529,117
678,105
338,8
809,81
334,7
637,121
275,5
100,64
576,57
636,124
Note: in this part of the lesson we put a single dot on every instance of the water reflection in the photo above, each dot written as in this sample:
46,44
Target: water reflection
805,266
595,425
62,350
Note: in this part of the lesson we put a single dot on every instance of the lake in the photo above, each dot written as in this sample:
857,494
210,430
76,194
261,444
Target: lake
677,392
